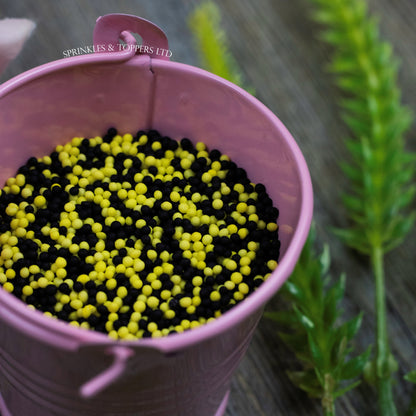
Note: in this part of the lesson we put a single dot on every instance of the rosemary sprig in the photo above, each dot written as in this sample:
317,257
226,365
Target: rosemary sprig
380,170
310,328
211,42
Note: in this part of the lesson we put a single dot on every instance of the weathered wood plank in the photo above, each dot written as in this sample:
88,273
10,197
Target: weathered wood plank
276,46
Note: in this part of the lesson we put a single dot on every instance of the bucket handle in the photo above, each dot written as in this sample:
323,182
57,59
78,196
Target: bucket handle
109,30
107,377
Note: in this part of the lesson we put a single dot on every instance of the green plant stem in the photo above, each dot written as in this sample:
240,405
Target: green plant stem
383,371
328,401
329,412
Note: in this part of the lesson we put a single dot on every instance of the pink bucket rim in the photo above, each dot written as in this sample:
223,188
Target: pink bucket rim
254,302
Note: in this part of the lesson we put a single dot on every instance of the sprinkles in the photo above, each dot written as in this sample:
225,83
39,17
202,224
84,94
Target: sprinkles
135,236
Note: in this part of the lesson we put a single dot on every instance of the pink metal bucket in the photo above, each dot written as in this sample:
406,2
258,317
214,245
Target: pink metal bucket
49,368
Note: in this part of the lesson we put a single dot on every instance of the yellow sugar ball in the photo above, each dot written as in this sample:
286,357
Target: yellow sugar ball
153,302
39,201
139,306
217,203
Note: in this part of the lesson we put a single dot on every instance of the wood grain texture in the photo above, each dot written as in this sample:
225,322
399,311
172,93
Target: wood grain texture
276,46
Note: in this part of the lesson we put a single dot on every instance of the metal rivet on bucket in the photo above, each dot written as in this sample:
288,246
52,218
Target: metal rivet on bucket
50,368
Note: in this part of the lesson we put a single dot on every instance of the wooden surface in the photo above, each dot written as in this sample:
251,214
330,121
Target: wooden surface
276,46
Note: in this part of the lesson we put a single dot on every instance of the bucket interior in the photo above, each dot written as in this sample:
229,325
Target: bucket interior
49,107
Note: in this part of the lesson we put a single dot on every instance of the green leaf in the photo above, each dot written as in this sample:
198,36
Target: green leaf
306,380
353,203
304,320
317,354
411,376
355,367
294,290
351,327
332,300
346,389
353,238
325,259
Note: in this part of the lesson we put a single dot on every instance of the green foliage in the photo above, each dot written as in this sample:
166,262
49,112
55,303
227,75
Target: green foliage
411,376
211,42
310,328
380,171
